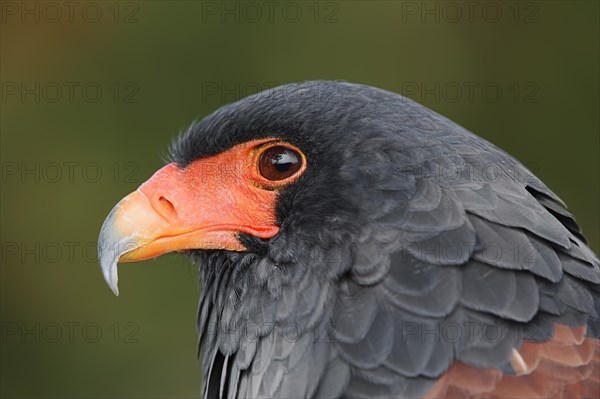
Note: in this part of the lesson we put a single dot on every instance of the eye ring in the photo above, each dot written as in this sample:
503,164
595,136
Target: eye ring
279,163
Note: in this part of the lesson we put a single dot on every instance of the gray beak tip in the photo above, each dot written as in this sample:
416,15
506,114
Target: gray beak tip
111,246
109,271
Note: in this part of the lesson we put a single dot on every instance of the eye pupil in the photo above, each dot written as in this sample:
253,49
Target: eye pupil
279,163
283,167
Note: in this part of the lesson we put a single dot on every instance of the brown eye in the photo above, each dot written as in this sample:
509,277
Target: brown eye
278,163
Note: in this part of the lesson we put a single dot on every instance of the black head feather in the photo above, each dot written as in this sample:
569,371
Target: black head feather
387,182
342,129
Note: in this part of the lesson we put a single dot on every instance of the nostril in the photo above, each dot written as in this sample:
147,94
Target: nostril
167,206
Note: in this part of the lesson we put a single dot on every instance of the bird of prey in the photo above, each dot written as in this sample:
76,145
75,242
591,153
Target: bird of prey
353,243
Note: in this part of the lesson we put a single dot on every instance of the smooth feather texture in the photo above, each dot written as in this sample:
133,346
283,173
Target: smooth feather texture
413,259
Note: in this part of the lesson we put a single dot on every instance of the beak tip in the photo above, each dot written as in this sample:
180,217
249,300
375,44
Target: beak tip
111,245
111,276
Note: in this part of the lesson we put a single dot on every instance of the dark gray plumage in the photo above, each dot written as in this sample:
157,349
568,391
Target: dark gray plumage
403,227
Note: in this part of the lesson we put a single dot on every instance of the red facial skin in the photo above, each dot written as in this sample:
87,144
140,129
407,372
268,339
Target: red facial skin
204,205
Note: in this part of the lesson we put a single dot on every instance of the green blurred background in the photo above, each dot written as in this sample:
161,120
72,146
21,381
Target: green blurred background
91,98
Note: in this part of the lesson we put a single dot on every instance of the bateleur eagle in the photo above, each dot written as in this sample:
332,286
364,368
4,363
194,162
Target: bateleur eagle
353,243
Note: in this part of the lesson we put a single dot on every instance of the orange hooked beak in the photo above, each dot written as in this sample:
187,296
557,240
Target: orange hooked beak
204,205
